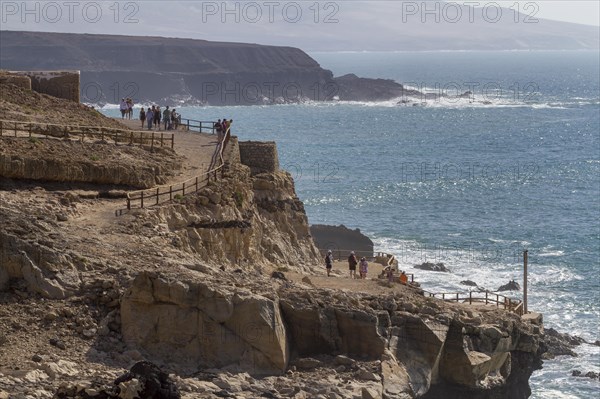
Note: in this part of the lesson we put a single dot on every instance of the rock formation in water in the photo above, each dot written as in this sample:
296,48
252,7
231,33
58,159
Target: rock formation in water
341,240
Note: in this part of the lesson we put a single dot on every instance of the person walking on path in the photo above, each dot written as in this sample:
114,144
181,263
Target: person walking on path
129,102
142,116
167,118
123,107
225,125
150,117
363,268
174,119
352,262
329,262
219,129
157,118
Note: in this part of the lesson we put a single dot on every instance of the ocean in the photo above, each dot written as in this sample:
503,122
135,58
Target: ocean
469,182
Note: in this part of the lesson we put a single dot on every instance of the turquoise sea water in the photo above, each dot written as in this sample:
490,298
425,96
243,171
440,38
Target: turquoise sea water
470,182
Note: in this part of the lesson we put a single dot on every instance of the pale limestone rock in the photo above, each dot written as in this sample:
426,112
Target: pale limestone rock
61,368
130,389
368,393
46,271
366,375
196,325
35,376
396,383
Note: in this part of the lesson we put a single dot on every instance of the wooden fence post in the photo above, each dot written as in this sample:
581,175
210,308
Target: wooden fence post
525,255
157,194
142,199
15,129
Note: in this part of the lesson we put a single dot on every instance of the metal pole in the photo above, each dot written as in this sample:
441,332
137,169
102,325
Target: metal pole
525,281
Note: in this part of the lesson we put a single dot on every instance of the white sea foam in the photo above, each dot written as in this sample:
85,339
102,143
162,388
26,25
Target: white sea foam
492,267
551,253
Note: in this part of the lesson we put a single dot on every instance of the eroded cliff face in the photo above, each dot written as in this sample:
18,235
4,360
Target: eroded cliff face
423,347
188,284
243,221
83,162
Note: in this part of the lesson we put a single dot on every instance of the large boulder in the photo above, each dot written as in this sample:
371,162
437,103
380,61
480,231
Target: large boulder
194,324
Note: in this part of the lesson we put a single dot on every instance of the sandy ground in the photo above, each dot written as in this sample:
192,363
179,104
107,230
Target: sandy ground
197,148
340,279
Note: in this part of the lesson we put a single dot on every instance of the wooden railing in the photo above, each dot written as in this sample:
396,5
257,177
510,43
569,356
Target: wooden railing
160,194
32,129
198,126
484,297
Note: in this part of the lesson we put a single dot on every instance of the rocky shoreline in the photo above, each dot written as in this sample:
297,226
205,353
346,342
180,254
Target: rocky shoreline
222,290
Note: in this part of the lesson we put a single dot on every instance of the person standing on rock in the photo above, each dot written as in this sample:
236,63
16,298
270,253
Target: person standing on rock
363,268
142,116
352,262
329,262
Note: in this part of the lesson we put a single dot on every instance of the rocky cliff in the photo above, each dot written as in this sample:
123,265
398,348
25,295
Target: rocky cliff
161,69
198,286
420,347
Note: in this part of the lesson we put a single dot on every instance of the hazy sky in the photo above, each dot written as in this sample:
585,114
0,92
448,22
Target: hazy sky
312,24
582,12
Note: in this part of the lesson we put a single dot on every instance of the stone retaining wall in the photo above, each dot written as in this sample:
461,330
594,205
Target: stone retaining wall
60,84
260,156
17,80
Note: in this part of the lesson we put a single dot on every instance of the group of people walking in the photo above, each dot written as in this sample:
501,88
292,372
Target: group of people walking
363,268
363,265
221,126
126,108
153,117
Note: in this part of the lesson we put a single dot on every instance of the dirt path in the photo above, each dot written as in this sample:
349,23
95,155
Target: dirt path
197,150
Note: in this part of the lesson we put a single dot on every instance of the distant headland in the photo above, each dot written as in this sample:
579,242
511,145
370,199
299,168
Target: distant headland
187,71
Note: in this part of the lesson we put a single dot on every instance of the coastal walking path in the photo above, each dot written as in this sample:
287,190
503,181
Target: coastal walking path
196,150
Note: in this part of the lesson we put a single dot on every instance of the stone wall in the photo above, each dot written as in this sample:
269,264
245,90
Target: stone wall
232,151
17,80
260,156
60,84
